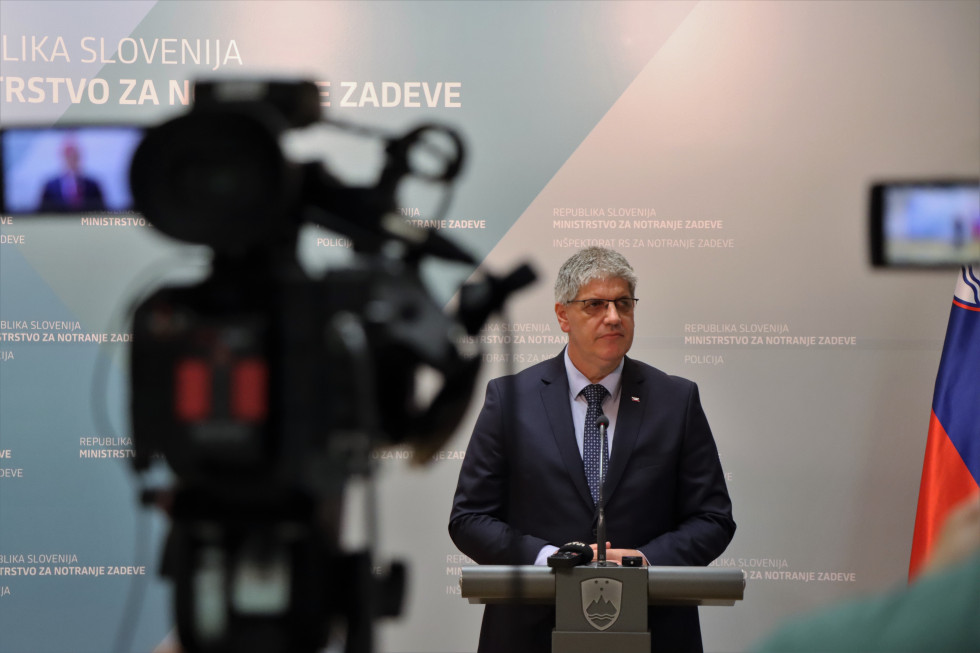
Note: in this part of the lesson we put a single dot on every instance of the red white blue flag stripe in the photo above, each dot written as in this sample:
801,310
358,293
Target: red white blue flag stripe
951,469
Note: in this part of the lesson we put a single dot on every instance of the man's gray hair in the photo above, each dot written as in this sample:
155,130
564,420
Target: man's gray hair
588,265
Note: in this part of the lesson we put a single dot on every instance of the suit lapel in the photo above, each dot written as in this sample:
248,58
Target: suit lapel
628,422
554,395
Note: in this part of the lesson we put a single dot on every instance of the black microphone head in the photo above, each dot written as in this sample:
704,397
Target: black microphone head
602,421
580,548
570,555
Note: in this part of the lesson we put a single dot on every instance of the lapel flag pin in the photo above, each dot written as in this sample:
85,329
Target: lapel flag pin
636,399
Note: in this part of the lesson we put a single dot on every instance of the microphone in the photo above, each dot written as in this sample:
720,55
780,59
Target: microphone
570,555
602,422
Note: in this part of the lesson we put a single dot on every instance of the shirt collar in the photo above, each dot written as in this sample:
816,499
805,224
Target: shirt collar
577,381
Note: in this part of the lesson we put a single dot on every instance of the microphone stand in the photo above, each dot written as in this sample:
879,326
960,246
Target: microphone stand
602,422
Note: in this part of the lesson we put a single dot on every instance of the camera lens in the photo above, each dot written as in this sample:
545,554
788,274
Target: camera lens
215,178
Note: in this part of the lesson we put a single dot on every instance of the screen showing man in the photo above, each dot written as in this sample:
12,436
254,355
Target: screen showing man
73,169
928,223
71,190
925,223
529,480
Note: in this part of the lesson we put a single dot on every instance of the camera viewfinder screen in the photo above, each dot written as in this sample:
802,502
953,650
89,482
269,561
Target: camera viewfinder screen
83,169
927,224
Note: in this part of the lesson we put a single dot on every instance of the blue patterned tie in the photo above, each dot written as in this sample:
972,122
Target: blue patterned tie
591,444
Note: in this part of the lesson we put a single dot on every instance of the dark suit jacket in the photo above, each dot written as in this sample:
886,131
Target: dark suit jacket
522,485
90,196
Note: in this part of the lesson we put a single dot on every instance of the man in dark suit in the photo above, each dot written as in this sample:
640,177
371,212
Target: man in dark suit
524,485
71,191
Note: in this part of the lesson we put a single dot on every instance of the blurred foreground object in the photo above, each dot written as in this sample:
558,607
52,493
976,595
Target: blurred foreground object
939,612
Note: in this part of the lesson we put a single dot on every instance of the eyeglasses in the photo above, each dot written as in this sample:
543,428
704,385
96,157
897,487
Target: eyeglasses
624,305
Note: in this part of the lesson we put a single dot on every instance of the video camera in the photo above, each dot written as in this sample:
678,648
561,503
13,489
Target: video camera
263,388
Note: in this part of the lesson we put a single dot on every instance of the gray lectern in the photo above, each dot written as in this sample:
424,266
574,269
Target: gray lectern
602,608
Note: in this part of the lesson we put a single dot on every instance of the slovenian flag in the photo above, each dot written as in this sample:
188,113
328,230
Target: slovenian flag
951,470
